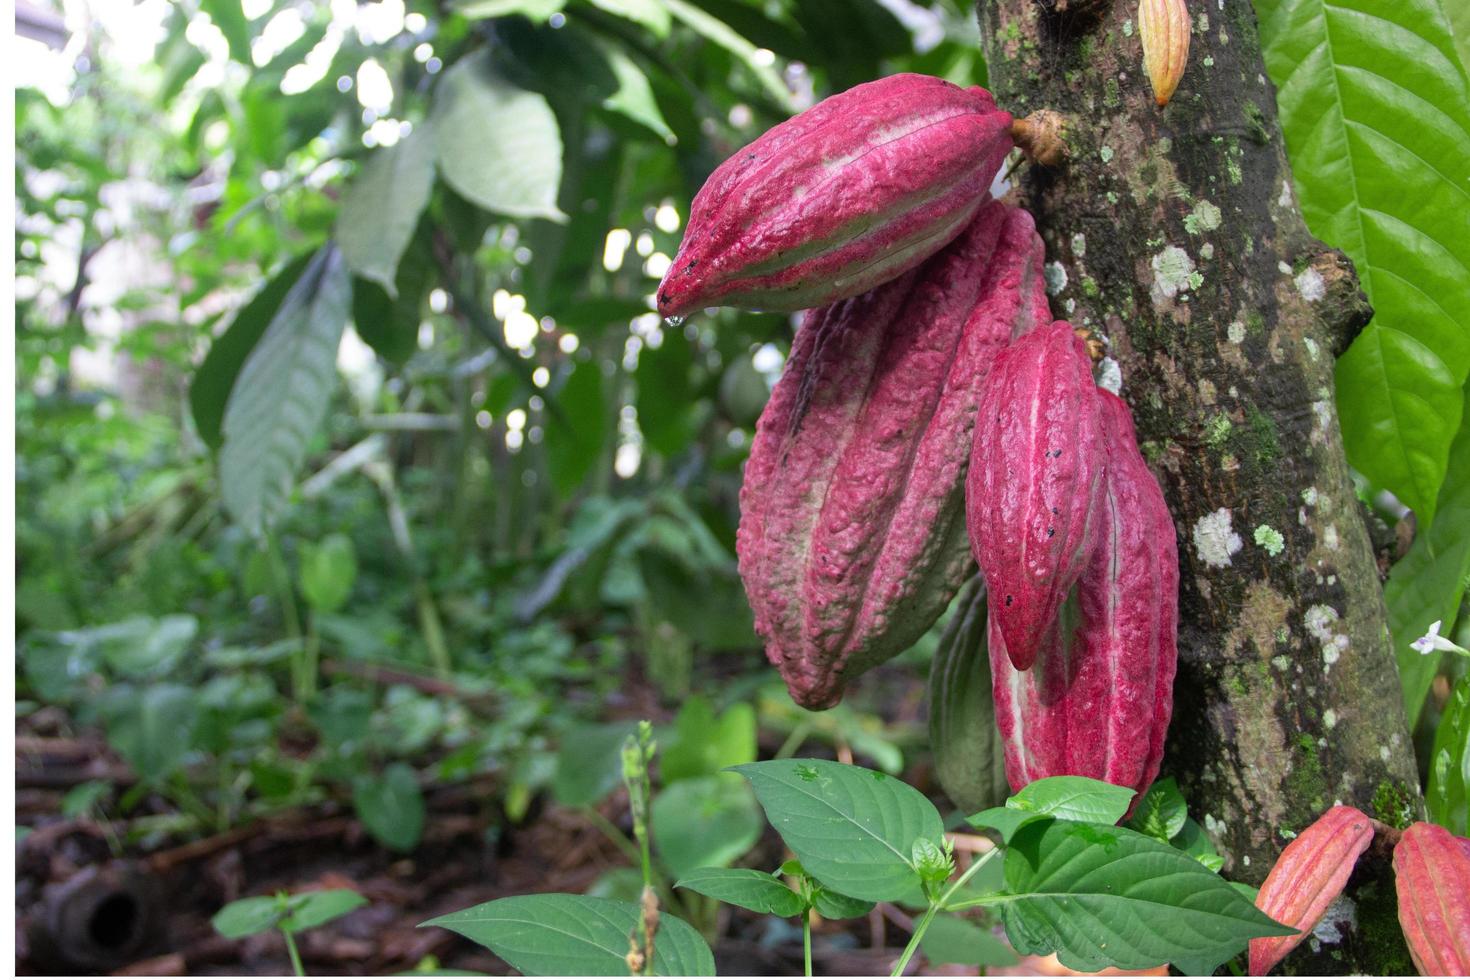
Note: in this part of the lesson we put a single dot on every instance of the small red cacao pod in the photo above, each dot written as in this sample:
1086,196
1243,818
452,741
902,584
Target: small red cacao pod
1432,874
1098,699
1307,877
849,194
852,538
1035,484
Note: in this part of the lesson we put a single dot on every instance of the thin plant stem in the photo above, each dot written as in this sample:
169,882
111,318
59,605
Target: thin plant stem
295,956
935,907
806,939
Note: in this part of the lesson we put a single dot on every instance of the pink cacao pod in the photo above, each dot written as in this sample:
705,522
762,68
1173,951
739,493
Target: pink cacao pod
1035,483
1098,699
852,538
849,194
1432,874
1308,877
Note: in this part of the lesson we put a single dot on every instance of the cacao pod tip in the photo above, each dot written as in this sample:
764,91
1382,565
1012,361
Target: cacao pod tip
1041,136
1163,29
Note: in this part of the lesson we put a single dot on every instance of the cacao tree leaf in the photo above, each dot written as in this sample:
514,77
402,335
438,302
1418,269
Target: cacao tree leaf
576,936
391,806
380,209
210,387
951,939
852,828
652,14
1459,15
496,144
281,395
718,32
1448,796
634,98
665,393
745,887
1427,584
1101,896
1373,103
969,756
534,9
706,822
229,17
1162,811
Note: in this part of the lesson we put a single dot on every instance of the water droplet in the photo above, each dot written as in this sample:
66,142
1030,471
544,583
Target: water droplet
674,322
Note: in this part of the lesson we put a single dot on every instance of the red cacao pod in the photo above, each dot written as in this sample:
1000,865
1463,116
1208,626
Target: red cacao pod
1035,485
1307,877
1098,699
1432,874
849,194
852,537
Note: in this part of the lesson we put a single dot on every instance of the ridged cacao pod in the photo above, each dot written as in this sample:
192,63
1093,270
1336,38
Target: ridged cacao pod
1163,30
849,194
968,757
1306,878
1431,869
1098,699
1035,485
852,537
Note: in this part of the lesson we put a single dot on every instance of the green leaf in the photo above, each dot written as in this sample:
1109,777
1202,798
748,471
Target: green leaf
534,9
152,729
229,17
665,393
745,887
1459,14
634,97
951,939
574,447
142,646
577,936
1063,797
1373,103
381,208
497,145
718,32
281,395
652,14
706,822
969,755
1427,584
1102,896
391,325
1162,811
248,916
1193,840
1448,796
703,744
210,388
391,806
588,763
853,829
328,570
835,905
312,909
81,798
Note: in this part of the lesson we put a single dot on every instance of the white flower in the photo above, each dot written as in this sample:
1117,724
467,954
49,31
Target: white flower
1432,641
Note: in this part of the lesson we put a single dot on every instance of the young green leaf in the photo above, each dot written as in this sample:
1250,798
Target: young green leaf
1061,797
1193,840
391,806
311,909
853,829
1102,896
951,939
577,936
704,744
1162,811
745,887
248,916
1374,108
705,822
328,570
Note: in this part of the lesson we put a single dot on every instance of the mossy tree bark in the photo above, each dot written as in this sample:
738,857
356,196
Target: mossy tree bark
1174,234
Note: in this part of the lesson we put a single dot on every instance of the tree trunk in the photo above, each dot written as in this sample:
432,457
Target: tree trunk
1175,235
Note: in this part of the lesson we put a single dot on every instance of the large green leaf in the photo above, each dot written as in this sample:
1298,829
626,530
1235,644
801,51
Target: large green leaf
1459,14
382,206
1377,121
718,32
758,891
280,397
1427,584
577,936
498,145
1102,896
574,447
1448,796
209,389
853,829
